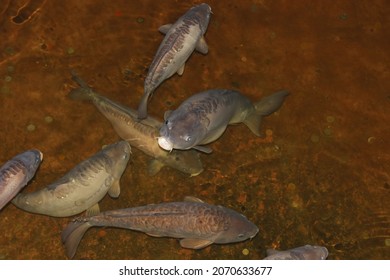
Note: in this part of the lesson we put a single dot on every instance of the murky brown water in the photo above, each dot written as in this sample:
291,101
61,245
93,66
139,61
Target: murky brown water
321,176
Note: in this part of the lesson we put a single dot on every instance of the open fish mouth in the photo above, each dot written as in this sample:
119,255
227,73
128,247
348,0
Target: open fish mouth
165,144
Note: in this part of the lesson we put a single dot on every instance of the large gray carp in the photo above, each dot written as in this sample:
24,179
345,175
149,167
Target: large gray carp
196,223
203,117
82,187
140,134
181,39
16,173
307,252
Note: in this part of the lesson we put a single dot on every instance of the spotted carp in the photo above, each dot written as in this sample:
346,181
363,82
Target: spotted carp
195,222
181,39
307,252
203,118
82,187
16,173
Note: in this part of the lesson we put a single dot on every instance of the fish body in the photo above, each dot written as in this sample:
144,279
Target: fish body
181,39
196,223
203,117
140,134
82,187
307,252
16,173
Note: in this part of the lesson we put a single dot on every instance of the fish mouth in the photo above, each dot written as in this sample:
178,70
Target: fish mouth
165,144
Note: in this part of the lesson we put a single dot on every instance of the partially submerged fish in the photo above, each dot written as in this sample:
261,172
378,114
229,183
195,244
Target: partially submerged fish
307,252
203,117
140,134
195,222
16,173
181,39
81,188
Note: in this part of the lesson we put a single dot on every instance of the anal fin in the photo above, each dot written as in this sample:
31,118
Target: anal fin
194,243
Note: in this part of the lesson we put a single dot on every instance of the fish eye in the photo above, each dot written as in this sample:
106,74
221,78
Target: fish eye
187,138
241,235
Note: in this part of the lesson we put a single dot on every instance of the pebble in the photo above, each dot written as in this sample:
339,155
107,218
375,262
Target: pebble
8,78
314,138
31,127
245,252
70,50
140,19
330,119
371,140
328,131
48,119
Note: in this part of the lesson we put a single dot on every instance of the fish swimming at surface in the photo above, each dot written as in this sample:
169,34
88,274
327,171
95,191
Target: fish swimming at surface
181,39
140,134
307,252
195,222
16,173
82,187
203,118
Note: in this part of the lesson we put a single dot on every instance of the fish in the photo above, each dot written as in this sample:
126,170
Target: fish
196,223
203,118
16,173
140,134
82,187
181,39
307,252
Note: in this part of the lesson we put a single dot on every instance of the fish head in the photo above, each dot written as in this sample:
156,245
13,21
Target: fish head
202,14
186,161
32,158
311,252
119,153
238,229
182,131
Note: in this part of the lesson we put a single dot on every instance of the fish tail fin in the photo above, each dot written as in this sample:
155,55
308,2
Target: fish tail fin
264,107
72,235
84,92
269,104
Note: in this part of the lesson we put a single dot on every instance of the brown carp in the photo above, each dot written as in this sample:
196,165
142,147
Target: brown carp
195,222
140,134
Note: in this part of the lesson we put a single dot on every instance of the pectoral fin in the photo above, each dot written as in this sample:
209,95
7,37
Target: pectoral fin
167,114
203,149
165,28
93,211
193,199
180,71
194,243
201,46
115,189
154,167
